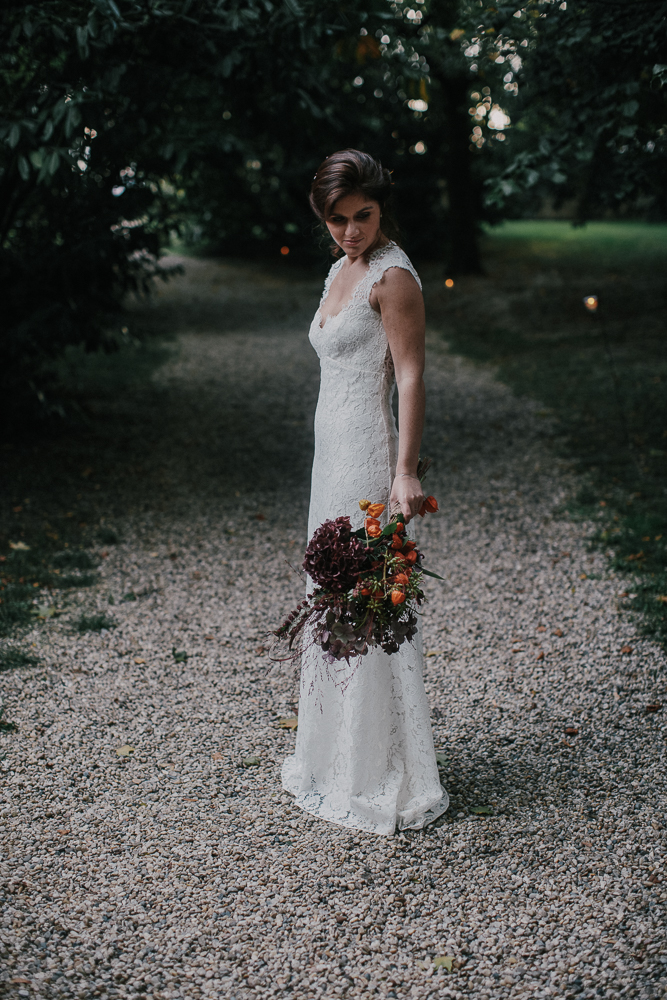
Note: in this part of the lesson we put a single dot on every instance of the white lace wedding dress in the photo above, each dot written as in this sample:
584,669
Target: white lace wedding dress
364,754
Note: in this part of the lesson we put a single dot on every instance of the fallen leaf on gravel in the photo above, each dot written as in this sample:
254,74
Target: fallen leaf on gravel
662,598
63,832
20,979
125,751
218,756
209,638
583,576
541,628
440,759
260,517
139,660
290,723
444,962
180,657
626,649
481,810
653,708
252,761
558,632
44,611
540,655
19,546
571,731
259,650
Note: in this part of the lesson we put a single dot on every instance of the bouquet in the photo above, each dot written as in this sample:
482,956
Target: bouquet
367,587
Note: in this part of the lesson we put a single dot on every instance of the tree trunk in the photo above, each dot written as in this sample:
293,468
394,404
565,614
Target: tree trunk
463,189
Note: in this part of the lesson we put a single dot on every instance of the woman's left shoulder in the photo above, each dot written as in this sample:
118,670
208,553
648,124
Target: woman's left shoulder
398,270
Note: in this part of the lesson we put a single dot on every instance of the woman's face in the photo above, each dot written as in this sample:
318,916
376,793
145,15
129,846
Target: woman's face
354,223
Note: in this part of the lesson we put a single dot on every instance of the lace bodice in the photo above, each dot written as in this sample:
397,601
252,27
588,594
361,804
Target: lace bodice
364,756
355,336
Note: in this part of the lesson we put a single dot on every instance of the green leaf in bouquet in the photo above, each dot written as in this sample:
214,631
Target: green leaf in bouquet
429,572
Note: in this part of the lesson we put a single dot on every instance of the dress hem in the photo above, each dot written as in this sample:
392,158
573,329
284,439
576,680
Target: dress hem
353,822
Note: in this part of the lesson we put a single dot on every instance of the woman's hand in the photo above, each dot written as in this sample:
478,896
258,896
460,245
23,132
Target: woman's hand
407,496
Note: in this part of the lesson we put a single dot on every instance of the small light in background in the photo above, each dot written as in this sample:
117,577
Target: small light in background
420,147
117,190
418,105
591,302
449,283
284,251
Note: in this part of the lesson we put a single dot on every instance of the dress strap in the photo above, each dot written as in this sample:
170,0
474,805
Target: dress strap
333,271
380,261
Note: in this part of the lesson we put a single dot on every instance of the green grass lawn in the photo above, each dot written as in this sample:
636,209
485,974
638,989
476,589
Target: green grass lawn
607,243
601,377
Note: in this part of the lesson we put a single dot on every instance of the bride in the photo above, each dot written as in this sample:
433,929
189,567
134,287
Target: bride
364,754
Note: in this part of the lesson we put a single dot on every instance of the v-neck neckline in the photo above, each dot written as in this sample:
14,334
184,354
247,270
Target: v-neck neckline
322,323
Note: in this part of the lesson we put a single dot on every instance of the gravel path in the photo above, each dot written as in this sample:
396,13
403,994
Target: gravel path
180,869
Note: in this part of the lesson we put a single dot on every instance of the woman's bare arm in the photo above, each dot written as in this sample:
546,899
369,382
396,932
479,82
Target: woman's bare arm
401,305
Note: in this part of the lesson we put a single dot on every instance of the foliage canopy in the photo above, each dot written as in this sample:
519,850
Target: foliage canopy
122,123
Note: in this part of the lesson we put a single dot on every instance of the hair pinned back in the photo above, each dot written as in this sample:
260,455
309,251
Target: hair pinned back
347,172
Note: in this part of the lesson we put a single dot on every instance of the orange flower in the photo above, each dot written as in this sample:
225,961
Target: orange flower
409,544
401,578
374,530
411,556
365,591
396,541
364,504
400,527
375,509
371,520
430,506
397,597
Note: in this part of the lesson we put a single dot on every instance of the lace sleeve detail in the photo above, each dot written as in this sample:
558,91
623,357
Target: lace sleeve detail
383,259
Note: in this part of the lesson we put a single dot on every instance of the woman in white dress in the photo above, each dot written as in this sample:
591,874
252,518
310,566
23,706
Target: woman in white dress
364,755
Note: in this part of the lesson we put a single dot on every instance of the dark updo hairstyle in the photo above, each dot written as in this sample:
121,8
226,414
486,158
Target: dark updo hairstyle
350,172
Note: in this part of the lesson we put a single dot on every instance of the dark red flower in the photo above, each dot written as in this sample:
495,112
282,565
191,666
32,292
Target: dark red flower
334,557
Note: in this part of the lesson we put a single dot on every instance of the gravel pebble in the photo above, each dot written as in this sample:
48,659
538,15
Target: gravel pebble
180,868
